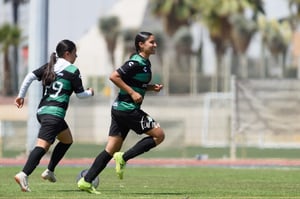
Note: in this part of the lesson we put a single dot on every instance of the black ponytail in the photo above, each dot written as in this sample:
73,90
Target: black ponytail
62,47
49,74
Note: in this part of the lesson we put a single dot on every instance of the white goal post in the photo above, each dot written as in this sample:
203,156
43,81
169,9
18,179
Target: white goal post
265,113
262,113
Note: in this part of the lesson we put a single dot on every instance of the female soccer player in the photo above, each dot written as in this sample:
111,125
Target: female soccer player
60,78
133,80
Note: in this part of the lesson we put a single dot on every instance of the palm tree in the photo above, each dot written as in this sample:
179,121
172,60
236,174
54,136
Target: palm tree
110,27
128,36
294,19
15,8
295,16
15,11
217,15
175,14
242,31
9,36
276,37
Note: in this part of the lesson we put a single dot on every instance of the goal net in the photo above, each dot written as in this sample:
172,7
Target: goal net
266,113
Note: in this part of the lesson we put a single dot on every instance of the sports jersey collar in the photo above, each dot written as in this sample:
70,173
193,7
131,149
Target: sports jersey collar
140,59
60,65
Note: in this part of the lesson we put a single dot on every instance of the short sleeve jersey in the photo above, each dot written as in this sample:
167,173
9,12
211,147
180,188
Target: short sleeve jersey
136,73
56,96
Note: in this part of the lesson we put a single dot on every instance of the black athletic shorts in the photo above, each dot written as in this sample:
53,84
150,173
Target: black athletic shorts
51,126
136,120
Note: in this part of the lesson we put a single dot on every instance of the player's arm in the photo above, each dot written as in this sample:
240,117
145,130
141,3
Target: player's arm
86,93
154,87
78,87
115,77
19,101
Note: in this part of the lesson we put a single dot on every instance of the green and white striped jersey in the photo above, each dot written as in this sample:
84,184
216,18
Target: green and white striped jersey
136,73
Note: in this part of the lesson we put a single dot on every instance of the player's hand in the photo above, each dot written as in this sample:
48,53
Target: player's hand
136,97
92,91
157,87
19,102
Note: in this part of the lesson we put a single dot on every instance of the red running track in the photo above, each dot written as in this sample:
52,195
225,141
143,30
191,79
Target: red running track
170,162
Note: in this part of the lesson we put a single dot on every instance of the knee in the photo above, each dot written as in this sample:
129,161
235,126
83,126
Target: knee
114,144
160,137
67,142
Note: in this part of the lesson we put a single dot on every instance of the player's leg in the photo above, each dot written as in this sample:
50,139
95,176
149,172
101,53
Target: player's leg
156,136
143,123
33,160
115,140
58,153
114,144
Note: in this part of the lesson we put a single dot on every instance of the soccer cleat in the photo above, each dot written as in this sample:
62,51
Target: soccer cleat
48,175
86,186
22,179
120,164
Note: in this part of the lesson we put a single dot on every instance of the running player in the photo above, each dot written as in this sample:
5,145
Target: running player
60,78
133,80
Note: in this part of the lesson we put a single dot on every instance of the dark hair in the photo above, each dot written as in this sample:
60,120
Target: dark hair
62,47
141,37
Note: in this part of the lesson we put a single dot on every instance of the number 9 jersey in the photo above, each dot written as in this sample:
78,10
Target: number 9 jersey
56,96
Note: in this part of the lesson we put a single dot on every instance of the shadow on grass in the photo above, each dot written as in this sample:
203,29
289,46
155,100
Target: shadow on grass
183,195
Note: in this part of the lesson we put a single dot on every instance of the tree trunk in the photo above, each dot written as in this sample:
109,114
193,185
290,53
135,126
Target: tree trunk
193,75
15,72
111,43
243,65
7,89
218,75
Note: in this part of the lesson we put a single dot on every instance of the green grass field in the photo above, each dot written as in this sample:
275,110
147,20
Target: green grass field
162,183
